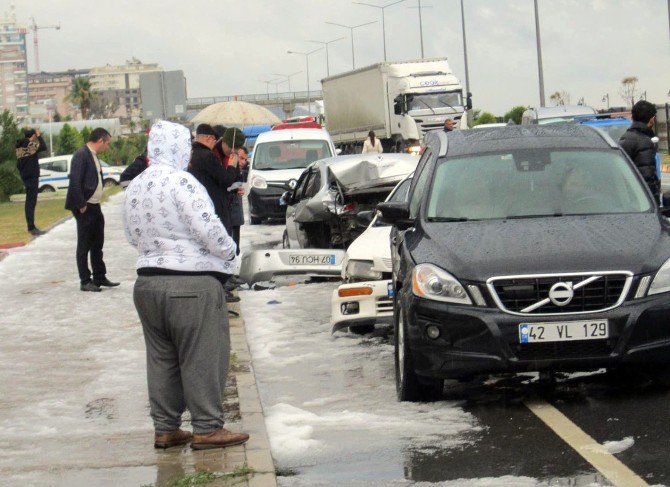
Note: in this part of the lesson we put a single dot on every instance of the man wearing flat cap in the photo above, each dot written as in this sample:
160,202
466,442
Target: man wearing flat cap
207,169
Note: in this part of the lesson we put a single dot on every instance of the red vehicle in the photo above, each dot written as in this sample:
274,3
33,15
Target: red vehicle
298,123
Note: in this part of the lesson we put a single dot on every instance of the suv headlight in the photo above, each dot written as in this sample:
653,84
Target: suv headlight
431,282
362,269
661,282
258,182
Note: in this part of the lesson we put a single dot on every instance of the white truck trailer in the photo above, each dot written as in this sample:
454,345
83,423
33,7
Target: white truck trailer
400,101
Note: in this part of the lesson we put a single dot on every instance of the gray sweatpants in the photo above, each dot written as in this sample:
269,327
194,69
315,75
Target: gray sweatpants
185,324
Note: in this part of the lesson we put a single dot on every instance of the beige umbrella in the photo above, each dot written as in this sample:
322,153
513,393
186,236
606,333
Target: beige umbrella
237,113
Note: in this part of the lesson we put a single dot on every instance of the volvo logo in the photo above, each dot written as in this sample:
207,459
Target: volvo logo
561,293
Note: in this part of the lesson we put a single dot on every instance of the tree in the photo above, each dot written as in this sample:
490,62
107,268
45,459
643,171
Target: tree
102,107
10,134
69,140
628,90
485,117
514,114
560,98
82,96
85,133
132,125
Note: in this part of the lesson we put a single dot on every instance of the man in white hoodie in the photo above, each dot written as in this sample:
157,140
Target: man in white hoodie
185,257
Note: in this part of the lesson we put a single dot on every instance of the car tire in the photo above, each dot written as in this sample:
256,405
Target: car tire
253,220
285,242
109,183
408,385
362,329
47,189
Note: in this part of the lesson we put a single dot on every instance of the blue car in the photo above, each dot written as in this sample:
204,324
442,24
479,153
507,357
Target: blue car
615,127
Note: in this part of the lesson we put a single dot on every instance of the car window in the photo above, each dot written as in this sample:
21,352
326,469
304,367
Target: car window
400,193
531,183
289,154
59,165
420,187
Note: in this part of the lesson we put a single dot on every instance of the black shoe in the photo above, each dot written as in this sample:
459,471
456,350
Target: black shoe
36,232
90,287
105,282
231,298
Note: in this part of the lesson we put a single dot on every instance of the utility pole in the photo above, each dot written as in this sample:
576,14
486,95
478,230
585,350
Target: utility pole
35,28
465,51
539,54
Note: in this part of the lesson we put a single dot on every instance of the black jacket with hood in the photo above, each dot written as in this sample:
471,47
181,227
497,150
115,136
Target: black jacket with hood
636,142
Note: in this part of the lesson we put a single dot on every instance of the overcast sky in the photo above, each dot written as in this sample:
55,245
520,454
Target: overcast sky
225,47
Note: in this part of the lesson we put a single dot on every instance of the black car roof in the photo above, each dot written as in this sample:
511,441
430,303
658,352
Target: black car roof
515,137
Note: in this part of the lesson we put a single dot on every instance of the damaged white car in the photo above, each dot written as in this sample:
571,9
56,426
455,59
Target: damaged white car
321,210
366,297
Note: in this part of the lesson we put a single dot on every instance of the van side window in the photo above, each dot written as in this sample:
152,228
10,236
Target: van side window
60,165
420,187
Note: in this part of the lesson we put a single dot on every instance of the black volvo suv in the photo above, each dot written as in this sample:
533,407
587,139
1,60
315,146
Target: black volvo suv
527,249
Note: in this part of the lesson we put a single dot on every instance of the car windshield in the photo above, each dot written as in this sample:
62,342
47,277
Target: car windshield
534,183
289,154
427,101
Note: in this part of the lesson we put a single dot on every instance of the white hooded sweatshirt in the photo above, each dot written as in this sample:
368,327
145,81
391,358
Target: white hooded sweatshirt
168,214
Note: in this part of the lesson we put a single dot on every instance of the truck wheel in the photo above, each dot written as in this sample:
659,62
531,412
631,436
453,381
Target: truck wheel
408,386
255,220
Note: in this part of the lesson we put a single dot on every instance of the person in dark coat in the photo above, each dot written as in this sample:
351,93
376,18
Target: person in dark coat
637,143
83,199
209,171
140,163
27,162
236,209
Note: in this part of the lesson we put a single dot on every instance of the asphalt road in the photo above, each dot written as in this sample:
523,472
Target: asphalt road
520,432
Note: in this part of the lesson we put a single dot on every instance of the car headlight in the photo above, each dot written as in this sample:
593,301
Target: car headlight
661,282
362,269
431,282
258,182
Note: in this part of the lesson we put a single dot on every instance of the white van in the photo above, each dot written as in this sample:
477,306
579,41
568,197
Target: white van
279,156
54,173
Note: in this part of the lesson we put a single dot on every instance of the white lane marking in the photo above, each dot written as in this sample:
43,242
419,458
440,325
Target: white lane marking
592,451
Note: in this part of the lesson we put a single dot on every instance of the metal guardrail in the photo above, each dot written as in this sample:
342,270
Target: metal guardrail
259,99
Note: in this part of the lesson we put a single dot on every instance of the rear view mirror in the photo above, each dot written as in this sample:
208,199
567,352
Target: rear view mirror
364,218
468,103
286,198
396,213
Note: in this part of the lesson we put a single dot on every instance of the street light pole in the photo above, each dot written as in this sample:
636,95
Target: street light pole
539,54
306,54
326,44
465,51
288,77
382,8
606,97
351,29
420,7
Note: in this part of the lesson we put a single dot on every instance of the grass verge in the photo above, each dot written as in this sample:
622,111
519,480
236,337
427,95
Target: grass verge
239,474
13,229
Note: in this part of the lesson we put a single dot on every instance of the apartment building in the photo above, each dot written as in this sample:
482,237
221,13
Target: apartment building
13,65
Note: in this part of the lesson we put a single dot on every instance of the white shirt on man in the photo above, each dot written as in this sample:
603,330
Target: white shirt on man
97,196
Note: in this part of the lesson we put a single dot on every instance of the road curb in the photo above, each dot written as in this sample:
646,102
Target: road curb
257,450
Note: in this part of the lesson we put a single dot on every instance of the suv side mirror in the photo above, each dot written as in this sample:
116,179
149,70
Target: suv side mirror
364,218
396,213
286,198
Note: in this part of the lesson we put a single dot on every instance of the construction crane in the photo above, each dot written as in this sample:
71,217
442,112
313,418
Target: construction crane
34,27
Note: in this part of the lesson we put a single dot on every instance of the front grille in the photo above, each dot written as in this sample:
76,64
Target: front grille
578,349
518,293
384,305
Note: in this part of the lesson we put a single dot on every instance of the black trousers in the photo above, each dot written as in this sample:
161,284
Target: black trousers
31,201
90,239
236,237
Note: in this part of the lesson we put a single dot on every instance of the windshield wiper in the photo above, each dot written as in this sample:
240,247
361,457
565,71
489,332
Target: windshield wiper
448,219
267,168
519,217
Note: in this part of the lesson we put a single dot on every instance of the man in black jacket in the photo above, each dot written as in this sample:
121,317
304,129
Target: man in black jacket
27,157
637,143
210,172
83,199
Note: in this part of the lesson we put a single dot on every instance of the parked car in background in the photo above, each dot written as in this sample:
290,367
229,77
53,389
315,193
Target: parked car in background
558,114
54,173
615,128
366,297
279,156
321,210
527,249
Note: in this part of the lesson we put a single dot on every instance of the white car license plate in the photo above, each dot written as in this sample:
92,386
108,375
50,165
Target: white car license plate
306,259
563,331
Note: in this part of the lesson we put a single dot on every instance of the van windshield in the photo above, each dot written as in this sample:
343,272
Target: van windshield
535,183
289,154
